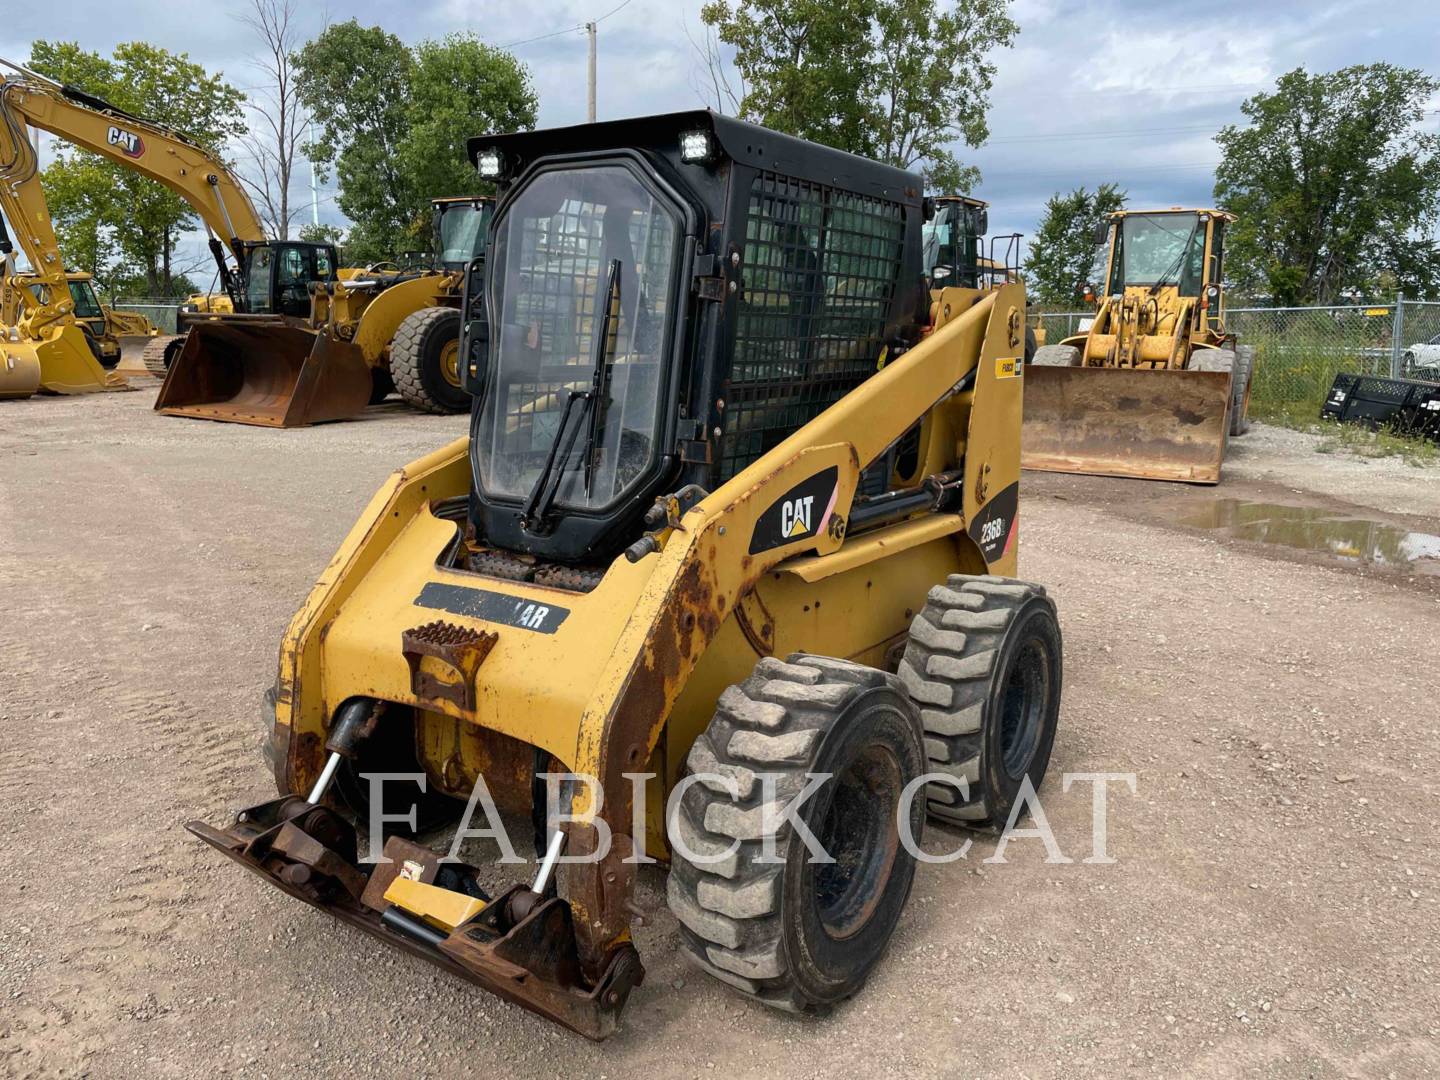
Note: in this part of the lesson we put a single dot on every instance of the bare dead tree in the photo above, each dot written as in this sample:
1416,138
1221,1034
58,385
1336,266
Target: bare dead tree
709,79
275,139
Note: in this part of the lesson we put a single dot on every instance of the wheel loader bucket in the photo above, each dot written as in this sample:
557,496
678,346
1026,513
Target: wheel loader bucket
263,371
1152,425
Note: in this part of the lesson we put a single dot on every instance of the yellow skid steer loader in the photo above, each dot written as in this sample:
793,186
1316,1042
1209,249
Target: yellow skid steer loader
1155,386
698,531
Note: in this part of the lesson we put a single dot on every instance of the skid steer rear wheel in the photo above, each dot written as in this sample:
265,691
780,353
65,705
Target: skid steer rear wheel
983,663
425,361
797,934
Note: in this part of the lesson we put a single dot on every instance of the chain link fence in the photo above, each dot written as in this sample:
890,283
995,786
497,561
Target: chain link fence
1298,351
159,311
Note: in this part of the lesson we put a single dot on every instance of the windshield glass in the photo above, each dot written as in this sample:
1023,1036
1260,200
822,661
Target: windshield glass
462,232
548,266
86,305
1163,248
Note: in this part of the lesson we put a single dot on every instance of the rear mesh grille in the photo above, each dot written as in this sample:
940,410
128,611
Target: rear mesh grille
819,275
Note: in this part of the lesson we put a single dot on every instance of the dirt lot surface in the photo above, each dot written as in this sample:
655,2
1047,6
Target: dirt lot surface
1273,910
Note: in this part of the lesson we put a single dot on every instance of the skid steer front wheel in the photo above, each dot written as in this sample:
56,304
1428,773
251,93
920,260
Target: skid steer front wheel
797,933
983,663
425,361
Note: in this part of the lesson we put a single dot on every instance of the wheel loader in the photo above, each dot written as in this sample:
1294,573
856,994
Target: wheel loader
953,243
1156,385
726,561
366,333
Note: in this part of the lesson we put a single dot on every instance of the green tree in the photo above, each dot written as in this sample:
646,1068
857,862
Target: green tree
1336,185
393,123
895,80
116,220
1062,255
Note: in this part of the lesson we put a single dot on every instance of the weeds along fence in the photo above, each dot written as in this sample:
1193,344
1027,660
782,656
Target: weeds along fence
1298,351
159,311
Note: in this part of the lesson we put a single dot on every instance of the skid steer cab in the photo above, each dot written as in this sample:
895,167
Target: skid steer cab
1157,385
738,510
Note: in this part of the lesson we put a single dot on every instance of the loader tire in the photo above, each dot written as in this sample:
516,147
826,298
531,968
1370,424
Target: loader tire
796,934
1057,356
1031,345
424,361
983,663
1240,385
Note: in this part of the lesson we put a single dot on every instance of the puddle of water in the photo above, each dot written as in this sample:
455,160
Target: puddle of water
1351,540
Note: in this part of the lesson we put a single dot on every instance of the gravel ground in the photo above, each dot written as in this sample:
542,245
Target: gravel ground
1272,909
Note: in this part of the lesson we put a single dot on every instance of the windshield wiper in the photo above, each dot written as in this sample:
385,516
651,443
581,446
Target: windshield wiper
557,461
1175,266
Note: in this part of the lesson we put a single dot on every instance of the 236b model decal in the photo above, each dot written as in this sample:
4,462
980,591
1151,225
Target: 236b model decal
994,526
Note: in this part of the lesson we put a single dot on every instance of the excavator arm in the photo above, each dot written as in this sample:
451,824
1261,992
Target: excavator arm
29,100
46,348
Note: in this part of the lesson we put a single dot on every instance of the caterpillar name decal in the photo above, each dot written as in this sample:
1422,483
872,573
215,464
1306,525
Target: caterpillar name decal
130,144
994,526
800,513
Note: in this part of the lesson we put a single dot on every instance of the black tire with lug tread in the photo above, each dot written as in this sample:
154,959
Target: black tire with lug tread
1240,384
1056,356
797,935
984,665
1031,344
424,361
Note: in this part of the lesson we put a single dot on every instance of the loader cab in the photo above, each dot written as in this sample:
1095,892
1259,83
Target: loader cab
278,275
666,299
1167,262
461,227
951,241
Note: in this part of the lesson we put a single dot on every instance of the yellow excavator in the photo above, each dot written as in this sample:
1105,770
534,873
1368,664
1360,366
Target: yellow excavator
289,340
46,346
1156,385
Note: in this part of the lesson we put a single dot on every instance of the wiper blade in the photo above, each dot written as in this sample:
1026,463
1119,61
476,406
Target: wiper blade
542,496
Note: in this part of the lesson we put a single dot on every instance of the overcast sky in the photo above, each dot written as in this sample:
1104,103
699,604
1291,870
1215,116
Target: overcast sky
1130,92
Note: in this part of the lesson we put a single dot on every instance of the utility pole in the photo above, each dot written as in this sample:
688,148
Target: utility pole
314,188
590,30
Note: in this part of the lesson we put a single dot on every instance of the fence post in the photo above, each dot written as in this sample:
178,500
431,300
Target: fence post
1397,335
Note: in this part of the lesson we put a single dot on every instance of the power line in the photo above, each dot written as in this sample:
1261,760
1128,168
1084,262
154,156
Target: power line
569,29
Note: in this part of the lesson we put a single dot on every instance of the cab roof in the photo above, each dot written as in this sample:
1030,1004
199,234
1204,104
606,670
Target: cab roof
1115,215
740,141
